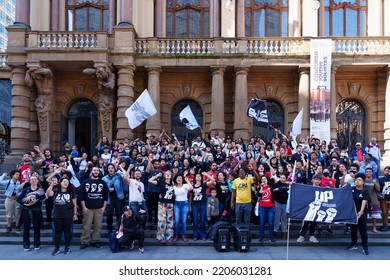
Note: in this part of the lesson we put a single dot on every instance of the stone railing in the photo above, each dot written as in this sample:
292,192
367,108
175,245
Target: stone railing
367,45
214,46
3,60
259,46
66,40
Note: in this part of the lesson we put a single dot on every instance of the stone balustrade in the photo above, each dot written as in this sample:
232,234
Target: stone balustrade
213,46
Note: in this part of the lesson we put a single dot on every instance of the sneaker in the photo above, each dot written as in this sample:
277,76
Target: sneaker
9,229
37,248
301,239
329,231
83,246
26,249
366,252
352,247
141,249
56,252
313,239
18,230
132,245
96,245
384,228
67,250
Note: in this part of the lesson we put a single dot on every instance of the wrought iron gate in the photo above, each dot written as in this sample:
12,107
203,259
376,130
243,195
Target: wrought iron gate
351,124
178,127
275,118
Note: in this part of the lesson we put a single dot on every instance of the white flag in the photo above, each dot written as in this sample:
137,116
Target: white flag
296,129
187,117
142,109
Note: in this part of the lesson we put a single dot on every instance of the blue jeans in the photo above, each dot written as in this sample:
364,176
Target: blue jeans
267,213
180,210
243,213
199,209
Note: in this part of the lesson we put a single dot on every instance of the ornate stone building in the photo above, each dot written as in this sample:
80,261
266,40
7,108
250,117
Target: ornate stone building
76,66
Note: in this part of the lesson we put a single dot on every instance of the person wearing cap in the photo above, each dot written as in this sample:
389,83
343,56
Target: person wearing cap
129,226
358,153
360,197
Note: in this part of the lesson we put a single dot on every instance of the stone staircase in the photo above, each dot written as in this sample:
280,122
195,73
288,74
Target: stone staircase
337,239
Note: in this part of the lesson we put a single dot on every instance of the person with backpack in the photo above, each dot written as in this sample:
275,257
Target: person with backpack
64,212
12,190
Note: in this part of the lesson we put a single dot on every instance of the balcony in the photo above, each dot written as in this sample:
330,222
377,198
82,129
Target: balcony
100,46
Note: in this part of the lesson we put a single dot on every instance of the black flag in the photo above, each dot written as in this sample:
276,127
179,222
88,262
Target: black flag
257,109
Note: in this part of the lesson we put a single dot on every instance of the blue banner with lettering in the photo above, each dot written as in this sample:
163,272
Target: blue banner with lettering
324,205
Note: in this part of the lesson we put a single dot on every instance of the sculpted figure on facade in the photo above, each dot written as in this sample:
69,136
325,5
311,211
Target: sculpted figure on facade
106,83
42,78
104,76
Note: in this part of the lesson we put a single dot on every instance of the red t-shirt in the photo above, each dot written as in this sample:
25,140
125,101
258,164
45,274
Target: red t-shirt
328,182
266,197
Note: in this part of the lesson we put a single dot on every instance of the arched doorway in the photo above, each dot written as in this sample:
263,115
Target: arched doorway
80,127
275,118
351,124
178,127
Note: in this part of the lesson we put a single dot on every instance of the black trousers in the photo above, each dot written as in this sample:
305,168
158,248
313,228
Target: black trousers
128,238
152,204
362,228
34,217
305,226
62,225
116,207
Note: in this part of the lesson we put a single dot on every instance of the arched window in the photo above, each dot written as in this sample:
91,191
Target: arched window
275,118
87,15
266,18
344,18
351,120
188,18
178,127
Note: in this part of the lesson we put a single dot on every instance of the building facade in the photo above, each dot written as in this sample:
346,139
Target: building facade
76,66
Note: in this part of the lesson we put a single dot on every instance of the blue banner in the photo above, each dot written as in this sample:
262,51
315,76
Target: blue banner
324,205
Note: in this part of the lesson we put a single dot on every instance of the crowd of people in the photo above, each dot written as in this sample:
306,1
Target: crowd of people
163,184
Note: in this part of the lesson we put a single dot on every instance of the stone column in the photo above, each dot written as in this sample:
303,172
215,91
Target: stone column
125,94
55,15
20,114
304,99
22,13
112,19
218,102
386,155
241,121
153,124
158,24
216,18
321,19
126,11
240,18
333,104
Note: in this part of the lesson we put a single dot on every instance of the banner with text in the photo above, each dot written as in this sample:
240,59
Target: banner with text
320,77
324,205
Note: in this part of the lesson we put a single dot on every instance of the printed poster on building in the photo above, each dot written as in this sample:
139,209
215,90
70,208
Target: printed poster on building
320,77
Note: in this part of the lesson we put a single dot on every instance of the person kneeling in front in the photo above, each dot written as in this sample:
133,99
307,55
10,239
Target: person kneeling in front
131,230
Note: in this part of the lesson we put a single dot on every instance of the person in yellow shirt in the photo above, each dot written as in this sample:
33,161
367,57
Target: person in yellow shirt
241,200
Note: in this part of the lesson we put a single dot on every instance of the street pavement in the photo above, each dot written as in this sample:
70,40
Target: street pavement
258,252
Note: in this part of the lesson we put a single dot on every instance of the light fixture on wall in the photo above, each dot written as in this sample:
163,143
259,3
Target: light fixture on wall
229,5
315,5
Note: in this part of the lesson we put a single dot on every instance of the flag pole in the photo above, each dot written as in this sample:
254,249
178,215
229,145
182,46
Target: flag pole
289,219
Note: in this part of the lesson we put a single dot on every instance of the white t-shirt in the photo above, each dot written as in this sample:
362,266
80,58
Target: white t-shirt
136,191
181,193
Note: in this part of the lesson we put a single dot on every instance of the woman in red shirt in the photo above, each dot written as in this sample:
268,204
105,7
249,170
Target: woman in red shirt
266,208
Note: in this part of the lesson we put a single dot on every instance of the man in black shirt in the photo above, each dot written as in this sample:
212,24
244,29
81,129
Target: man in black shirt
93,197
129,229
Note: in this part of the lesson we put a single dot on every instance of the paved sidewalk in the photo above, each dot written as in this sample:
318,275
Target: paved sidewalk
13,252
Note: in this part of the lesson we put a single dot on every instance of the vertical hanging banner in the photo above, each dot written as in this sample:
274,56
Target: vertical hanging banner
320,77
